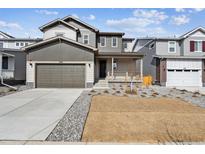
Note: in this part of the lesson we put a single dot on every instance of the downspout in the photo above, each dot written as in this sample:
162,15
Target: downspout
2,82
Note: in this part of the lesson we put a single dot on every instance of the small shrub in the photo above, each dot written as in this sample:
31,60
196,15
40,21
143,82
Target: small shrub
133,92
92,91
164,95
183,90
143,96
118,92
196,93
155,93
144,93
113,88
106,91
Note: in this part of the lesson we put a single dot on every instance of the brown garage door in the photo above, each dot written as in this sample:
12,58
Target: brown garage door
60,76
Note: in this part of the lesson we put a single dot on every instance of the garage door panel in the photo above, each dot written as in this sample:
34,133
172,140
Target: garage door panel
184,72
60,76
184,78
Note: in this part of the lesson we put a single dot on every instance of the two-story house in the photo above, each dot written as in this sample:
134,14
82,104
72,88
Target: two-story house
177,61
12,58
76,54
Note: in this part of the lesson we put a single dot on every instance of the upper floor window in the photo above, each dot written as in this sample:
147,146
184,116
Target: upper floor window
1,45
86,39
197,46
172,46
26,44
22,44
114,41
17,44
102,41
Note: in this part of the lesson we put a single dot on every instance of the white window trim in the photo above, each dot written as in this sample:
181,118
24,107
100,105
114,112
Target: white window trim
116,42
84,39
105,42
175,47
201,44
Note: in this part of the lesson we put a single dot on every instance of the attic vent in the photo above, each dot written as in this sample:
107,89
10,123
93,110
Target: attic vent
59,34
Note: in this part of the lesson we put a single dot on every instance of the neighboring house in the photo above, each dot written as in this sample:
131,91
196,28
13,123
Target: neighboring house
12,58
177,61
76,54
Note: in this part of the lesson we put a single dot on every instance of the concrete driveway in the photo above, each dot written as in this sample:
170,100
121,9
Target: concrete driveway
33,114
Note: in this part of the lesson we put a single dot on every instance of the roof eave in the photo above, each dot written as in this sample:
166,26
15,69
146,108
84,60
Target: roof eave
54,39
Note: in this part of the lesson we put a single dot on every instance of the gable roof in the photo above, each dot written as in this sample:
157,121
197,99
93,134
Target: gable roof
68,18
192,31
58,21
6,35
56,39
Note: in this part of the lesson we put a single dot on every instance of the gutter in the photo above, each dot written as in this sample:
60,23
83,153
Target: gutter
2,82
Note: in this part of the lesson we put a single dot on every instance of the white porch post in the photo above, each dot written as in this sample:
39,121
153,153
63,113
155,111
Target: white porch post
141,69
112,74
0,63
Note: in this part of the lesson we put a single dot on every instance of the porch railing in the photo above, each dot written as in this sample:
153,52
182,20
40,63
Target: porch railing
124,76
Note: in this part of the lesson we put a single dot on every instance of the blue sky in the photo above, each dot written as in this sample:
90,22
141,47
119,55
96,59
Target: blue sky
134,22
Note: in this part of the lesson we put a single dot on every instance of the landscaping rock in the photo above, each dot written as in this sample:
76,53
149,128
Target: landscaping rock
70,127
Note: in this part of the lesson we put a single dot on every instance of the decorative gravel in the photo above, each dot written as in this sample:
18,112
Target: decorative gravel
119,89
70,127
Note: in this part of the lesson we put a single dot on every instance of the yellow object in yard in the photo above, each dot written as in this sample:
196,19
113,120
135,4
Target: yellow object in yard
147,80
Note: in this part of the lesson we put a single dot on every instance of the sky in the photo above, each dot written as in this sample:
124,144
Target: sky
136,22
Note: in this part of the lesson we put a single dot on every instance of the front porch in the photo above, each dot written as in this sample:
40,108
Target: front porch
119,68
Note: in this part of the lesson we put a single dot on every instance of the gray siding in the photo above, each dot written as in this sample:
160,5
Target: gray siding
19,65
61,52
149,62
109,47
162,48
85,30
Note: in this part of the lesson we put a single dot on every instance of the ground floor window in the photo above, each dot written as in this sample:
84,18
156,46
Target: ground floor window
5,63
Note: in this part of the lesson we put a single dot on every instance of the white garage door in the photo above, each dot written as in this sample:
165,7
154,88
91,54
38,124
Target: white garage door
184,73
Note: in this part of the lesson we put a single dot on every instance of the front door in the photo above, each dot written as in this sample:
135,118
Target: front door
102,68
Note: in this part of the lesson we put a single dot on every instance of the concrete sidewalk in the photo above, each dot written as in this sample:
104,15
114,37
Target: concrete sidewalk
33,114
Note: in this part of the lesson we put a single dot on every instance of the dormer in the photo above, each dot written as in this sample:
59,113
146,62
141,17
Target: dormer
61,28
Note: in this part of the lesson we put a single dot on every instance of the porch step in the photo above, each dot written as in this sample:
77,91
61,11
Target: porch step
101,84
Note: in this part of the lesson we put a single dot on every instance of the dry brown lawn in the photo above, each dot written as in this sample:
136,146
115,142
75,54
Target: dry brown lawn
144,120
